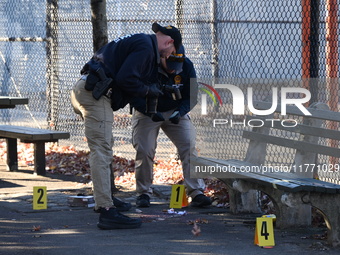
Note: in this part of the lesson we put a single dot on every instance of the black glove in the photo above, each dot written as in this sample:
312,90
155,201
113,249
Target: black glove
157,117
154,91
175,117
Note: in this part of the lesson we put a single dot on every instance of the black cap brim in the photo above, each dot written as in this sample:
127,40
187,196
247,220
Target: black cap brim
156,27
173,32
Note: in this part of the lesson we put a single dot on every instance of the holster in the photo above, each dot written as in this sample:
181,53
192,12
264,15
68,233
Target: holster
91,81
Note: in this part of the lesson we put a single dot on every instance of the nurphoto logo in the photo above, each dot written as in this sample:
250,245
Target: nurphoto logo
280,98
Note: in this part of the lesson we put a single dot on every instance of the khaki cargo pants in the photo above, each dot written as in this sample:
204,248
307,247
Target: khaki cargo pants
98,120
144,139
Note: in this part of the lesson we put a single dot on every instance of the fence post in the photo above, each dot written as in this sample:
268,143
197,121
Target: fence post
214,40
52,89
314,49
179,15
332,53
99,24
310,46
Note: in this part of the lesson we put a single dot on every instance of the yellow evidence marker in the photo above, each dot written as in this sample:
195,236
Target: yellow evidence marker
264,232
39,197
178,197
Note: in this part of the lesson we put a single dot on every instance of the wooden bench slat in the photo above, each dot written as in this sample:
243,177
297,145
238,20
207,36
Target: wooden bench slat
293,110
299,128
31,134
294,144
11,102
309,183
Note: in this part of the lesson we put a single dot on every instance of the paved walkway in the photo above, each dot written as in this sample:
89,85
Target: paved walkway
61,229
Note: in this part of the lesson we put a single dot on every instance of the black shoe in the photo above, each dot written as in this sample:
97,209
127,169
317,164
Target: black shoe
200,201
120,205
143,201
112,219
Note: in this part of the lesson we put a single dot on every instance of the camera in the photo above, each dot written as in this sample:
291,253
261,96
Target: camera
174,90
152,98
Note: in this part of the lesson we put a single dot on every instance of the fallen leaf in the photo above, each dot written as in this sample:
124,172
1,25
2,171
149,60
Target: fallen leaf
196,230
36,228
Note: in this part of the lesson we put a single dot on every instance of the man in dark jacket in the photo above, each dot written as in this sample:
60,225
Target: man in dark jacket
128,64
179,97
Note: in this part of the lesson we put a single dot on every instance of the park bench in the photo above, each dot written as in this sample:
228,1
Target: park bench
29,135
295,191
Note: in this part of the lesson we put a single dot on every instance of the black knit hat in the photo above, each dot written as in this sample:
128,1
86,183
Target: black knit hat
170,31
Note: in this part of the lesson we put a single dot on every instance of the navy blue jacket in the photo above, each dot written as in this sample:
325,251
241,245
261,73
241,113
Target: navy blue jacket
166,101
132,61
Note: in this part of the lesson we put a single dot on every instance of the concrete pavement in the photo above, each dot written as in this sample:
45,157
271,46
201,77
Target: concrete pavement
61,229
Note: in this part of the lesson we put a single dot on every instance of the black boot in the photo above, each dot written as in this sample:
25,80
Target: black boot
111,219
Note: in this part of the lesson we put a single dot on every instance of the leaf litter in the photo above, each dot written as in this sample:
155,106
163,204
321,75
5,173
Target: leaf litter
67,160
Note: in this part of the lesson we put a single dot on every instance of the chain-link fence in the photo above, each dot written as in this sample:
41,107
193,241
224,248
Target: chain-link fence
45,43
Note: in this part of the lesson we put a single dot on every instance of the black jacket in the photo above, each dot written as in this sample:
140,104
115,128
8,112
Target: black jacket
132,61
166,101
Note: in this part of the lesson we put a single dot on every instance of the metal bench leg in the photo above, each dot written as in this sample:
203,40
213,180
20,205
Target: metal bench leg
39,158
329,206
12,154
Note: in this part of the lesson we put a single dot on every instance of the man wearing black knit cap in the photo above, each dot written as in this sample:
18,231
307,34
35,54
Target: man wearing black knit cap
122,69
